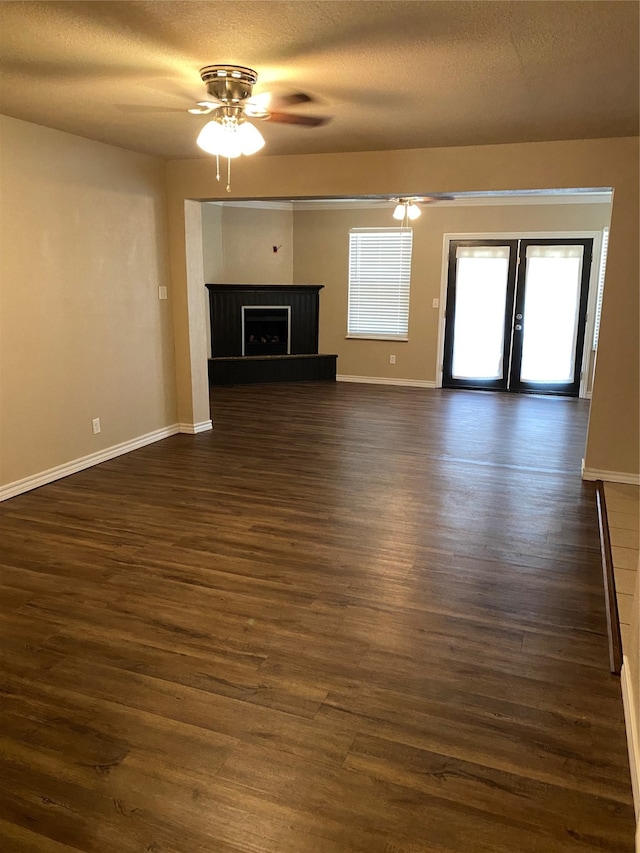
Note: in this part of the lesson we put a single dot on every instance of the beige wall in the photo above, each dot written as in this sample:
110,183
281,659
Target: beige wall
246,237
321,255
212,242
83,333
613,431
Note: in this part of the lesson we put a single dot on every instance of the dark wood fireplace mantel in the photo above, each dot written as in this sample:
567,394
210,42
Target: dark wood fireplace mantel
228,364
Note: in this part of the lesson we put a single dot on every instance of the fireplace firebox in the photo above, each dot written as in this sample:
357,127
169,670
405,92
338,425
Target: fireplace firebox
266,330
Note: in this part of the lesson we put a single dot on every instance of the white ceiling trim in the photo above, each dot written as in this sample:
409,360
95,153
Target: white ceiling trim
258,205
596,197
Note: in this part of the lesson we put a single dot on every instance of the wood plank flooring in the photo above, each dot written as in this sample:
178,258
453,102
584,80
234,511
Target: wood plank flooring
350,618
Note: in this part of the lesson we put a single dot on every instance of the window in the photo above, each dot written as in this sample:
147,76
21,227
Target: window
603,265
379,278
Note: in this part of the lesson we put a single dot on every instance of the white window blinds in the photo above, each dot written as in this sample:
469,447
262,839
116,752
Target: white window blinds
379,280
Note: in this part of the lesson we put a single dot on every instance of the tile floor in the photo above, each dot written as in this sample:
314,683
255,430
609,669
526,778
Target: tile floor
623,511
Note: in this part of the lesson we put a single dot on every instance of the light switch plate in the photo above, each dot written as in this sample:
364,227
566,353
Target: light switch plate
162,292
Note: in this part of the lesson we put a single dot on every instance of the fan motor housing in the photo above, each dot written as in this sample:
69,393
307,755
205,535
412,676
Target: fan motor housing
230,84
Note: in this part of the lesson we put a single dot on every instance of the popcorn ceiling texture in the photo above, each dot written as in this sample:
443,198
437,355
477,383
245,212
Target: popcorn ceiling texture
393,75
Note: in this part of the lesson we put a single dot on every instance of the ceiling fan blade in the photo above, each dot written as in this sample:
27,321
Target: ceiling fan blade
203,107
304,121
141,109
262,103
294,99
430,198
258,105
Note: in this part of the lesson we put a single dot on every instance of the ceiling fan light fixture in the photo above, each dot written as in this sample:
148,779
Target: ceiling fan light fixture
229,134
405,210
228,137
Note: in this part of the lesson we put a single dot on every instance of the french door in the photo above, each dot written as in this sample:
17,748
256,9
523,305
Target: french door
515,315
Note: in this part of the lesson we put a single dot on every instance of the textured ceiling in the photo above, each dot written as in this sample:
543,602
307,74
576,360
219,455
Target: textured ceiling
391,74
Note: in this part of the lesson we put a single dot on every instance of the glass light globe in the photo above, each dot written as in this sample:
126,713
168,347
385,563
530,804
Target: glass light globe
214,138
230,139
250,138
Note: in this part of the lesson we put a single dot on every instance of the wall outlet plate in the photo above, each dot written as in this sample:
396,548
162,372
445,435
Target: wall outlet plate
95,423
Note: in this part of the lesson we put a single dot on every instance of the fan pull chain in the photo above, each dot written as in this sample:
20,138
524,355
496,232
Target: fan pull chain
228,171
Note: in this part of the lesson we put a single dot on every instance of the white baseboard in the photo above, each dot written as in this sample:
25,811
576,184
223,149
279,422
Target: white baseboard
41,479
194,429
633,744
610,476
380,380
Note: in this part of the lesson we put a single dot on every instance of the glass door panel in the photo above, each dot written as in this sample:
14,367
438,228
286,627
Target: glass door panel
550,314
552,298
481,298
479,307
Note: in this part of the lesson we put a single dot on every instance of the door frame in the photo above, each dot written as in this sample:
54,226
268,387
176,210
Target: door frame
596,236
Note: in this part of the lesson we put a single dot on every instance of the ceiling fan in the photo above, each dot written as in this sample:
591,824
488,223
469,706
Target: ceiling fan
231,88
408,207
228,133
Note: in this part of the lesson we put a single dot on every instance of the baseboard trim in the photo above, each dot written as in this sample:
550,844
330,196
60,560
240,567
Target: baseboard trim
18,487
194,429
380,380
632,734
610,476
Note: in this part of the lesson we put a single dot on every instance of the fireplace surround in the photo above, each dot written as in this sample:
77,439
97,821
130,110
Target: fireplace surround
266,333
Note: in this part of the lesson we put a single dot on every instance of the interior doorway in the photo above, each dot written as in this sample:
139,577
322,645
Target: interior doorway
516,314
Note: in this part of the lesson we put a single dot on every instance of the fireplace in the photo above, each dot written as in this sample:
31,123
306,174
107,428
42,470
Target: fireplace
266,333
266,330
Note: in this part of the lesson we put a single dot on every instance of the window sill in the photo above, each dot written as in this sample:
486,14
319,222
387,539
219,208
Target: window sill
375,338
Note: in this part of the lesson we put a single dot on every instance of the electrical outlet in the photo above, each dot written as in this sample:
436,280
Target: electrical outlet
435,303
162,292
96,425
392,359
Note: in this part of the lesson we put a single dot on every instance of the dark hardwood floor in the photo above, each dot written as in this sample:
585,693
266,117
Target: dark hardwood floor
351,618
